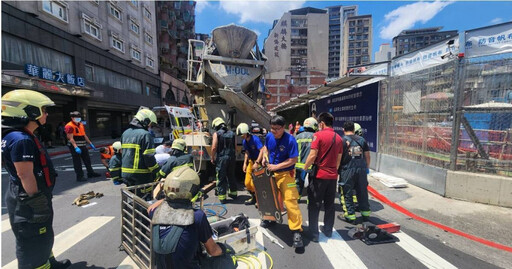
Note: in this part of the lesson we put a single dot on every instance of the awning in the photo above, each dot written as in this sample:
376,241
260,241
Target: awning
337,85
17,79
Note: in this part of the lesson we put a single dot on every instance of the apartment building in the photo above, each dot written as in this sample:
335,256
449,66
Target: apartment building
337,17
357,38
415,39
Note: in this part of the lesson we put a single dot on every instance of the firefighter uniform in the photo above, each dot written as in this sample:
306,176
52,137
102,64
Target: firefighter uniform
114,167
139,165
177,160
78,131
224,161
304,143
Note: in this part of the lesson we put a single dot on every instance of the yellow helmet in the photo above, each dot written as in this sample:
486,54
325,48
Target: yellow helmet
117,146
25,104
217,122
311,123
179,144
182,183
146,117
357,129
242,128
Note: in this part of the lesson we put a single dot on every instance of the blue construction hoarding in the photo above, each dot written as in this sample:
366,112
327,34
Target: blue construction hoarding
358,105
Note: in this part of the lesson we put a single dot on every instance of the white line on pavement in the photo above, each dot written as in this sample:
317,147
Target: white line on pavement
338,251
128,263
421,253
72,236
6,225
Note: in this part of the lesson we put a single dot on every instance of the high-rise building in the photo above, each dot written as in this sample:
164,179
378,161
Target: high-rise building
415,39
97,57
296,52
385,53
357,38
176,25
337,17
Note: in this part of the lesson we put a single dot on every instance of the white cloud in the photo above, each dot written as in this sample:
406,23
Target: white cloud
260,10
496,20
201,5
405,17
256,31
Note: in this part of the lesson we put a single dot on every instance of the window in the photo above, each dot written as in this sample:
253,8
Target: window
116,13
118,44
91,27
134,27
136,54
89,73
134,3
150,62
148,38
57,9
147,14
112,79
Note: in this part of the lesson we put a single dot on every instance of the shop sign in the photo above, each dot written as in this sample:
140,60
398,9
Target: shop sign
56,76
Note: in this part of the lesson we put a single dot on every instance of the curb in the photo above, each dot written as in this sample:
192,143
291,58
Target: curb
53,154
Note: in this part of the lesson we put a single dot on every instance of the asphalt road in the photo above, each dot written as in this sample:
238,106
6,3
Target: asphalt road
90,236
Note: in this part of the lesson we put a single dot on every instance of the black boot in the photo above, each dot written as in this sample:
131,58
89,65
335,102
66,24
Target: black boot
297,240
93,174
54,264
251,201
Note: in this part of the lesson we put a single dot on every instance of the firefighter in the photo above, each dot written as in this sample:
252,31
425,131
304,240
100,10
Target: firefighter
357,131
178,228
252,146
304,142
223,157
139,165
114,165
178,158
31,179
77,144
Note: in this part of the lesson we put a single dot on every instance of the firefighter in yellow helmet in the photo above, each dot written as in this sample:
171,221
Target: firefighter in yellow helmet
304,140
178,158
114,165
138,164
31,178
252,146
223,157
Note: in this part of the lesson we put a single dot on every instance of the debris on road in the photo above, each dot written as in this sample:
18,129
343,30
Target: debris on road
83,199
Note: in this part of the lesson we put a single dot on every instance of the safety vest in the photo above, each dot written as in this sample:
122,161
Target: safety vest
78,133
138,161
109,153
304,140
176,161
226,143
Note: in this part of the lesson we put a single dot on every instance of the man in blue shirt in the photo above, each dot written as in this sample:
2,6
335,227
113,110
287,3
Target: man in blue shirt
252,146
280,155
31,179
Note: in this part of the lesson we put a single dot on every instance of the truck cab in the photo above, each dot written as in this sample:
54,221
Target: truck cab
173,122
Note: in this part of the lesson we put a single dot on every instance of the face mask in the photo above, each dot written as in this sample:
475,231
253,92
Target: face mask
77,120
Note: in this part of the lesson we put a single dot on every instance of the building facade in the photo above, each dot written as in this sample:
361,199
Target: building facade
357,38
297,54
337,17
415,39
86,56
176,25
385,53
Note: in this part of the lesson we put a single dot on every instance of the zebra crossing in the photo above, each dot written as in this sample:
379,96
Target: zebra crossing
337,251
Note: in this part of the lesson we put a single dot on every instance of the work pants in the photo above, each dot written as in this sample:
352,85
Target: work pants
225,167
356,180
34,241
249,184
77,163
285,182
321,191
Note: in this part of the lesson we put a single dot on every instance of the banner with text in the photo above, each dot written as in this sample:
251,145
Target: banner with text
359,105
489,40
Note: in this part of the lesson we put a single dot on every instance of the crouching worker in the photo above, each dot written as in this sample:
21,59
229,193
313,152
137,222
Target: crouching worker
114,165
179,230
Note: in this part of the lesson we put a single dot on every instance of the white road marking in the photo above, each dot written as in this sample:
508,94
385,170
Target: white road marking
72,236
6,225
128,263
338,251
88,205
421,253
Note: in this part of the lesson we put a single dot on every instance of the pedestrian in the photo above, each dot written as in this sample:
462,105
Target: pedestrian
46,135
252,146
139,165
178,228
223,157
353,174
325,154
77,144
60,133
304,140
297,128
279,155
31,179
114,165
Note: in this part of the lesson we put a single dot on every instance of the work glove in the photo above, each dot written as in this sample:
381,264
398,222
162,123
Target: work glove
92,146
367,171
117,182
41,211
78,150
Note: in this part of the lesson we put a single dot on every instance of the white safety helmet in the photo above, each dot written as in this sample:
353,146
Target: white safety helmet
182,183
217,122
311,123
242,128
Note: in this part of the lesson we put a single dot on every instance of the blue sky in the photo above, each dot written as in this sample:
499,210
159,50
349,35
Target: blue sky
389,17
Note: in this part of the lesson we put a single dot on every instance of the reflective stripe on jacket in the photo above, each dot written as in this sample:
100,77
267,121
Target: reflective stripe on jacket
138,161
175,162
304,140
78,133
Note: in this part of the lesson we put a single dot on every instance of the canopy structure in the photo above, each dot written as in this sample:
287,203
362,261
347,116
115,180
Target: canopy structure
337,85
